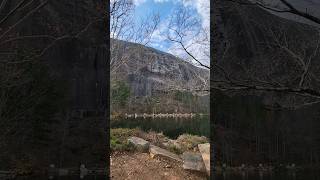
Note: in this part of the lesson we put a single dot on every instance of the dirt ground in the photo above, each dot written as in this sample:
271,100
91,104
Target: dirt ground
140,166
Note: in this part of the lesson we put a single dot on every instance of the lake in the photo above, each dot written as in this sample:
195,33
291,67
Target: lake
300,175
171,127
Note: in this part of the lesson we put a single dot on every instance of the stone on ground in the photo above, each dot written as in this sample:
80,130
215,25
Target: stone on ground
193,161
157,151
141,144
205,153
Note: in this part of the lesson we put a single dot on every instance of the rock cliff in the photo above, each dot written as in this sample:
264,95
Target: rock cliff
256,47
158,80
148,70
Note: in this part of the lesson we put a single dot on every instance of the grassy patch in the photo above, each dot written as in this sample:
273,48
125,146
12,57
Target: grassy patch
185,142
188,141
174,149
119,139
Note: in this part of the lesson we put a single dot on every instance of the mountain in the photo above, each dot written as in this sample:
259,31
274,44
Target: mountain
151,73
147,70
254,46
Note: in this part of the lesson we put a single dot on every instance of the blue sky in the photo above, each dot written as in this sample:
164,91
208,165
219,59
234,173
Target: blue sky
199,9
164,8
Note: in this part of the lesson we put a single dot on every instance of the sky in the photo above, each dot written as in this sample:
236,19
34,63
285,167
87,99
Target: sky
165,8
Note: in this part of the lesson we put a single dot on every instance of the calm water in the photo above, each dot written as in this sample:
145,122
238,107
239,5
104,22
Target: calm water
310,175
171,127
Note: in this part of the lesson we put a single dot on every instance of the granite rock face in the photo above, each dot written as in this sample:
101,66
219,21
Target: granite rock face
149,71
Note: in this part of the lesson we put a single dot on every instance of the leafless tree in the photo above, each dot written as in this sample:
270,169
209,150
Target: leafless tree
186,30
13,67
11,73
182,21
284,6
124,26
303,55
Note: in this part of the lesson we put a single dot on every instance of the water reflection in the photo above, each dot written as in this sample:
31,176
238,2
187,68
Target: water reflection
171,127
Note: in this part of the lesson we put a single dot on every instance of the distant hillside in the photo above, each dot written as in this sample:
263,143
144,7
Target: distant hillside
150,74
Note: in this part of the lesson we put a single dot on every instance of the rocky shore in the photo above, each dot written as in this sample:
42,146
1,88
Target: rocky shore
188,154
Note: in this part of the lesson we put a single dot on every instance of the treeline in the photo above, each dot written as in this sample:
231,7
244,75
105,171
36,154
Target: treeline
123,101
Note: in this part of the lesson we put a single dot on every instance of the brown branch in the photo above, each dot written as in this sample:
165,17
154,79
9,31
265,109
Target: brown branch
291,9
2,5
12,12
185,49
301,91
23,18
53,43
295,11
26,37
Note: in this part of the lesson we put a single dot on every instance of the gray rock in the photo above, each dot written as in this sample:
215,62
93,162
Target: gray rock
157,151
193,161
148,70
141,144
205,153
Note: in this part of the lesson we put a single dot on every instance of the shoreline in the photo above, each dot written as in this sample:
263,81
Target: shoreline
157,115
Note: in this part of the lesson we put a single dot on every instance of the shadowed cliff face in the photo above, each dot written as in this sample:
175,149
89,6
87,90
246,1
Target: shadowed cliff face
246,129
310,6
148,70
246,45
74,54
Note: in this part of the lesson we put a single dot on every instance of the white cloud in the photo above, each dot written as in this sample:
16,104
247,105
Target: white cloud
200,51
161,1
203,9
138,2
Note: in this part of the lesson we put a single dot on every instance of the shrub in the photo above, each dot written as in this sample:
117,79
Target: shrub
119,139
188,141
120,93
174,149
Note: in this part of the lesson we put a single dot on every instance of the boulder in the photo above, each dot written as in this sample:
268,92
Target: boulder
205,153
157,151
141,144
193,161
